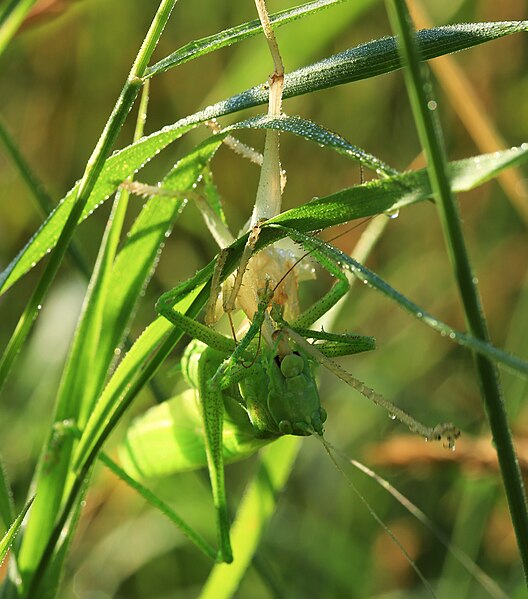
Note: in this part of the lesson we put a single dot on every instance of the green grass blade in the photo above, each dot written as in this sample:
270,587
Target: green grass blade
198,48
256,509
93,170
117,168
368,60
134,264
431,138
122,387
7,508
368,277
43,199
314,132
10,21
75,396
396,192
7,539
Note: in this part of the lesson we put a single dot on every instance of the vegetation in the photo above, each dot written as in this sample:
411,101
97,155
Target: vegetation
99,354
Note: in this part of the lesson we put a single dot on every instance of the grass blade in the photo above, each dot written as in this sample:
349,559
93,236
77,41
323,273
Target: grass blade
93,170
10,21
228,37
43,199
7,539
430,135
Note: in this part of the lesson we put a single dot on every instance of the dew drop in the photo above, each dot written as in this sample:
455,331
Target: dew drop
432,105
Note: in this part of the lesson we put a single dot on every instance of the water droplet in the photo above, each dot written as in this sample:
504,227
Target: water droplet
392,416
432,105
393,213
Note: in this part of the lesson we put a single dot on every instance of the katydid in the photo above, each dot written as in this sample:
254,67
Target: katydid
249,389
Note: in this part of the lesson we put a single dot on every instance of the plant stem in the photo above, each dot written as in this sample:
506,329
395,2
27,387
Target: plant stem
424,108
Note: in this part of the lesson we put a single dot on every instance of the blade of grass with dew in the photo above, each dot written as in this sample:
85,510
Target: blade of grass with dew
228,37
93,170
255,510
127,161
8,538
74,398
118,167
393,193
429,131
467,102
43,199
7,507
137,258
367,60
367,276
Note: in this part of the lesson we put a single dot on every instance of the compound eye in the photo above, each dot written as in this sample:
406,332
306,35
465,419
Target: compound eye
292,365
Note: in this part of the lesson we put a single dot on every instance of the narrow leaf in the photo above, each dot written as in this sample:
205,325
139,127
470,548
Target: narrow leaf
6,541
7,509
198,48
117,168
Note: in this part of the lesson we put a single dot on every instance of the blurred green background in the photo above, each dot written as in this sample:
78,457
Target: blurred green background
58,82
